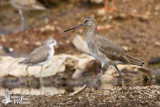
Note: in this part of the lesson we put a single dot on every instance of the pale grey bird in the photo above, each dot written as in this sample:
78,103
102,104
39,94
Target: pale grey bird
21,5
104,50
40,56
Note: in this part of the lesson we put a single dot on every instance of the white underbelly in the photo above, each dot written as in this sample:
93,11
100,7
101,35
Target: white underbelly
100,58
48,59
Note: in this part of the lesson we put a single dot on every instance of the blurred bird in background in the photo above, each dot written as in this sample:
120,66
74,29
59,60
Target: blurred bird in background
22,5
40,56
112,8
109,5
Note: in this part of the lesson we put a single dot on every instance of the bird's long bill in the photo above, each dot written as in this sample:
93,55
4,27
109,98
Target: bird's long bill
74,27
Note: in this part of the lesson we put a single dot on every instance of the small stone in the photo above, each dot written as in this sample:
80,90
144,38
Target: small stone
80,44
25,42
38,43
3,39
157,43
157,8
106,27
110,17
126,48
134,11
101,12
98,1
47,27
42,29
59,29
67,41
10,49
55,22
46,20
142,35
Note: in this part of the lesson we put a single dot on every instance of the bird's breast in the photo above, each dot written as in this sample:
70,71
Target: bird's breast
97,54
51,53
93,52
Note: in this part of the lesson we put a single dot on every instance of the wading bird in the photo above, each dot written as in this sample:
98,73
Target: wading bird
40,56
104,50
21,5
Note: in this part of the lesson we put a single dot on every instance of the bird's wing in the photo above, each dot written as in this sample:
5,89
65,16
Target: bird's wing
38,55
27,4
111,50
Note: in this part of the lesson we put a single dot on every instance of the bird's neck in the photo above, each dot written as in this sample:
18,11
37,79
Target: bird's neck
92,33
51,46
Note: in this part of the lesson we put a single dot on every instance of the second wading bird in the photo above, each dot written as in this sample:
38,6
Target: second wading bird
113,8
22,5
40,56
104,50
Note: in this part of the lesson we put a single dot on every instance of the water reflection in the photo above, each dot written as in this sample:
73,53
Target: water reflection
67,85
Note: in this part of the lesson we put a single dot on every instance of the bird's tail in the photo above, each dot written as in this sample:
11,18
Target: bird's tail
134,61
25,61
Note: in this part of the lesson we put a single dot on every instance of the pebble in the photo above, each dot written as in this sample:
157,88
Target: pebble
157,43
101,12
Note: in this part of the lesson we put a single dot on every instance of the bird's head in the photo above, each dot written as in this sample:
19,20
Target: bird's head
89,22
51,42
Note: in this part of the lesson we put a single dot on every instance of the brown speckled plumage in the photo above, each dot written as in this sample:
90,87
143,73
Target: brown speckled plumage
104,50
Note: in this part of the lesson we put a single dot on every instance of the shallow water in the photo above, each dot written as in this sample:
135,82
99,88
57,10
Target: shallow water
57,84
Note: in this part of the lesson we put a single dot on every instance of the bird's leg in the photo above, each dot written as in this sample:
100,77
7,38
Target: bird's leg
120,75
99,77
113,8
106,6
22,20
29,81
95,67
40,79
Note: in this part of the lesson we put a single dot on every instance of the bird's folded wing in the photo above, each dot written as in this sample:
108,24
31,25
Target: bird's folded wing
111,50
39,55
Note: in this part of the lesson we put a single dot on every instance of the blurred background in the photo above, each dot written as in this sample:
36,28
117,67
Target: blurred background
26,24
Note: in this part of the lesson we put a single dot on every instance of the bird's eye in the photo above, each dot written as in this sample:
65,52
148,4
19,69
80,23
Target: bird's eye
85,21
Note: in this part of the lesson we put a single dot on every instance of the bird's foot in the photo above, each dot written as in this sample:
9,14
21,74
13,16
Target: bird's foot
112,9
106,9
93,85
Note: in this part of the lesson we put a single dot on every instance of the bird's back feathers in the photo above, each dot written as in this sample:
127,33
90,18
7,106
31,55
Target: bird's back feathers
106,49
39,55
